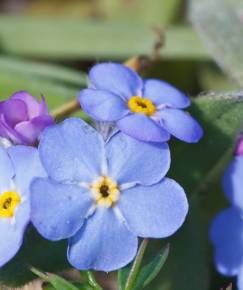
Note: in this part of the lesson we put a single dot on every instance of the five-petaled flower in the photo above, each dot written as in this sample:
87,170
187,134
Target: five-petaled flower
226,232
102,195
22,118
147,110
18,165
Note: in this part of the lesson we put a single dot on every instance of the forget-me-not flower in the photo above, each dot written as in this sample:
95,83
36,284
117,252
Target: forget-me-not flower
148,110
18,166
102,195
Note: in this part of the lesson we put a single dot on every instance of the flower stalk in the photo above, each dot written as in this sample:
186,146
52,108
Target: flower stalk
90,279
136,265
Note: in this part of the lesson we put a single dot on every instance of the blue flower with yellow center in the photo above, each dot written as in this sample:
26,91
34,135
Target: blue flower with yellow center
148,110
18,166
102,195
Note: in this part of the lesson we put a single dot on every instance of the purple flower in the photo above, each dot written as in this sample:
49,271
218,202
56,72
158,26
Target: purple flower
147,110
22,118
239,146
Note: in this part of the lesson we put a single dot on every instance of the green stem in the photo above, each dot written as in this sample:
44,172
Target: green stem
66,109
136,265
90,278
40,274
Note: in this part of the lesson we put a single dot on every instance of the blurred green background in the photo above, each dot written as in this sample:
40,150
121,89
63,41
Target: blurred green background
47,47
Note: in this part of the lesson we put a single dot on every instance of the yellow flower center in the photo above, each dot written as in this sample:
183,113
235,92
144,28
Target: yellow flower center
106,191
9,200
141,105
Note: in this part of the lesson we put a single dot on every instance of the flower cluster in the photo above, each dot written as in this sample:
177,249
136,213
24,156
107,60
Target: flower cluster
226,231
100,194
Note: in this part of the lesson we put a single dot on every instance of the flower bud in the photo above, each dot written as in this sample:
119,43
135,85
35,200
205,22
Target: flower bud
23,118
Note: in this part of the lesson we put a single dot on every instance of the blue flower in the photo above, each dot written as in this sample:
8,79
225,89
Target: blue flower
18,166
102,196
227,237
147,110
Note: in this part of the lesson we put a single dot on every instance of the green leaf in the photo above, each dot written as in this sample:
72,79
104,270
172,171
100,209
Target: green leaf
221,32
151,270
147,273
159,13
56,281
56,83
50,72
70,39
221,118
78,285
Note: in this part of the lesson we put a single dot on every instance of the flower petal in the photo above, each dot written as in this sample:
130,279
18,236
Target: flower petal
34,108
8,132
27,166
162,93
116,78
130,160
10,242
103,243
240,279
6,170
12,232
32,129
233,182
143,128
181,125
58,210
14,111
72,151
102,105
226,234
156,211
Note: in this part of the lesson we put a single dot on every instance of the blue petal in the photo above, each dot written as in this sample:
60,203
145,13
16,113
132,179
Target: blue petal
6,170
116,78
72,151
233,182
102,105
240,279
226,234
58,210
181,125
27,166
130,160
10,242
12,232
143,128
155,211
162,93
103,244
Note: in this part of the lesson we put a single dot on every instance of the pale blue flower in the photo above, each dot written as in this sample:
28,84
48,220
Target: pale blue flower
101,195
